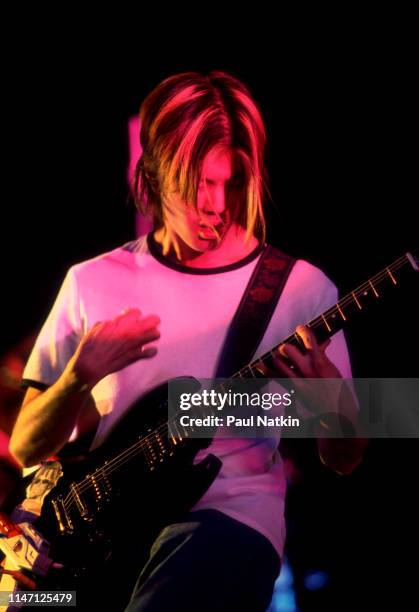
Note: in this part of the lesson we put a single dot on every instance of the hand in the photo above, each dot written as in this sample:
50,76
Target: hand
110,346
313,364
321,399
340,436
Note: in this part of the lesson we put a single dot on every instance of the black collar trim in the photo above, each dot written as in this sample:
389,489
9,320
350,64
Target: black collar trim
156,251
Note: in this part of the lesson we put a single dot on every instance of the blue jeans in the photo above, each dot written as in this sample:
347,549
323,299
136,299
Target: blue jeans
208,562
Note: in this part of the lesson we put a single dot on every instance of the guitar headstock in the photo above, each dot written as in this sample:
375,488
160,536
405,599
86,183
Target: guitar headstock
413,257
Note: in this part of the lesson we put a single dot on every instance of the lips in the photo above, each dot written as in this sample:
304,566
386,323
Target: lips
210,231
207,232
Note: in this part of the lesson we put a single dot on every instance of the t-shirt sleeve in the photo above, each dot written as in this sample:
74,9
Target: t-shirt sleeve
58,338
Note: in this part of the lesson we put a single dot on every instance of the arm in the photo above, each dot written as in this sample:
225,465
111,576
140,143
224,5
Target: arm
46,419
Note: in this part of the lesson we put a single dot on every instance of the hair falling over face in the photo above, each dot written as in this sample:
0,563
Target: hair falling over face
182,120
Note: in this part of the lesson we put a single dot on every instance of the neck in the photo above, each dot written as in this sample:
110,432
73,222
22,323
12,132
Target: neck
232,248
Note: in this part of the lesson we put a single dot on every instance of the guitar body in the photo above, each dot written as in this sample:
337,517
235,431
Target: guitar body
94,523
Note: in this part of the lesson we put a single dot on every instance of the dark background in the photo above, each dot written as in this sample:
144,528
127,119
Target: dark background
341,120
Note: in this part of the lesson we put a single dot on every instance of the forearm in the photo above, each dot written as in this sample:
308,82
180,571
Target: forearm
344,453
45,424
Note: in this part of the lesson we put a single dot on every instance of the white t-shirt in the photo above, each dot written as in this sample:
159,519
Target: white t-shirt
195,307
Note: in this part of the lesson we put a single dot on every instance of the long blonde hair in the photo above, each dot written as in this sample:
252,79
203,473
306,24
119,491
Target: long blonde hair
182,119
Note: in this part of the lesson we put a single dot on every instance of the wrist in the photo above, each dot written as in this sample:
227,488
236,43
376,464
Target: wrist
75,380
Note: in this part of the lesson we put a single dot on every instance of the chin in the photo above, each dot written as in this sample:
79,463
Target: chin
201,245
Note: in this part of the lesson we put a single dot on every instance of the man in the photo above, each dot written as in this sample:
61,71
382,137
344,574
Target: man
160,307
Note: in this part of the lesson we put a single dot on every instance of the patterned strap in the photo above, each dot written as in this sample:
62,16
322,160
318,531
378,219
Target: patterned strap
254,311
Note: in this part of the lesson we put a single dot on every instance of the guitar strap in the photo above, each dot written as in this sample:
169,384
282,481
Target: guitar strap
255,310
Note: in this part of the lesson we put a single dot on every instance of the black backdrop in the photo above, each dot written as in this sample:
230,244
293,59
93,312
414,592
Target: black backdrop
342,128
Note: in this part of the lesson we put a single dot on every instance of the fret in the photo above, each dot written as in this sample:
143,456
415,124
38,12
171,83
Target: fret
340,312
374,289
391,276
356,300
329,329
239,374
259,367
244,370
249,367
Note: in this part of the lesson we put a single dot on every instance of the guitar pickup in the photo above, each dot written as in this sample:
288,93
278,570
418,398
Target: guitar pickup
64,521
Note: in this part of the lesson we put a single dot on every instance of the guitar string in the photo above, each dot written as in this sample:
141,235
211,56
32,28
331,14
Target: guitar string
145,442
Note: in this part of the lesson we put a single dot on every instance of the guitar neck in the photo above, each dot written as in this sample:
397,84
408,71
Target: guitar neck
337,316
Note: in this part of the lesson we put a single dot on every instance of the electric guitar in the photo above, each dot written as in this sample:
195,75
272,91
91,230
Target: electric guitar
143,469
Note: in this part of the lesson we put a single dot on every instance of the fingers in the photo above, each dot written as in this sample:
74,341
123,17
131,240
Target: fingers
294,359
286,369
310,340
126,333
144,352
307,336
142,331
132,326
131,312
148,323
291,362
149,336
148,352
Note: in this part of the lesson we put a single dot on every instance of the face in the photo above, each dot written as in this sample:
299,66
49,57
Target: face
203,227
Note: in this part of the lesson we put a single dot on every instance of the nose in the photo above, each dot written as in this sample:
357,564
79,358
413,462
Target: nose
214,202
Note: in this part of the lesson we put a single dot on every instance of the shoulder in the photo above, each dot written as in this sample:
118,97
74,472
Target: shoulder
304,272
311,285
125,258
308,288
307,272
